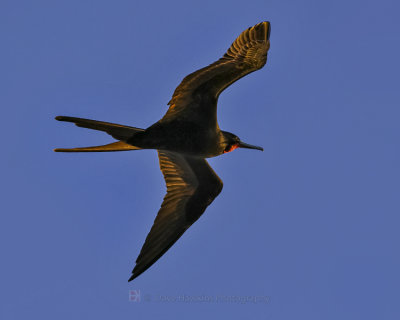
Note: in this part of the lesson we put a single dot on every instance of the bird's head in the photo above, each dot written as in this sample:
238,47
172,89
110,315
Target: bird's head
230,142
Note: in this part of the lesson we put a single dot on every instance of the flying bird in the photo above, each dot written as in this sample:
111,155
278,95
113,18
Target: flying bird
187,135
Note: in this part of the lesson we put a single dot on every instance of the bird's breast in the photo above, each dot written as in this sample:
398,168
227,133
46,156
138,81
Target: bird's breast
180,136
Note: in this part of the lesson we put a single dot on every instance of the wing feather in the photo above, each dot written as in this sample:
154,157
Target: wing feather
200,90
191,186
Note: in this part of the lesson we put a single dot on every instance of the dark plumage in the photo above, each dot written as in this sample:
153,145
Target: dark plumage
186,135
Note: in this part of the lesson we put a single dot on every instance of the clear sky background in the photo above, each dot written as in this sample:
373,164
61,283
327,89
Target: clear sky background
312,223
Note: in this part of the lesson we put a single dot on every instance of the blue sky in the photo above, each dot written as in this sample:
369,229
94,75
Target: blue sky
311,223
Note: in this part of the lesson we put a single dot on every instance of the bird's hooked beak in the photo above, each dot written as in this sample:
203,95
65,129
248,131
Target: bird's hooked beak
248,146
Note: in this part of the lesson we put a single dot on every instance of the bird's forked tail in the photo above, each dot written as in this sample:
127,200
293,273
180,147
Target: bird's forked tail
117,131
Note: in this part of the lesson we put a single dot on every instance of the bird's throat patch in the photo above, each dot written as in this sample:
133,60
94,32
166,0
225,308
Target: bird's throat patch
232,147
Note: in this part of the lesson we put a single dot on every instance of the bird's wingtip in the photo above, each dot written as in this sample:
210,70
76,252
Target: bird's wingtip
131,278
267,25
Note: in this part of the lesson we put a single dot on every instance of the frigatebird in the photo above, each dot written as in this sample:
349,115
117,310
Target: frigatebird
186,135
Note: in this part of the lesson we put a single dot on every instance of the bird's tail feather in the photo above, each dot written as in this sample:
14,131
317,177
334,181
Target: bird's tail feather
117,131
115,146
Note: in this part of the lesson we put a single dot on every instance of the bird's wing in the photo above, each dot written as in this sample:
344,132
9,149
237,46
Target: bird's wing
191,186
199,91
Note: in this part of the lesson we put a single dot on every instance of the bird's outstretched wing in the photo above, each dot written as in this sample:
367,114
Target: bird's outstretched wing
191,186
198,92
